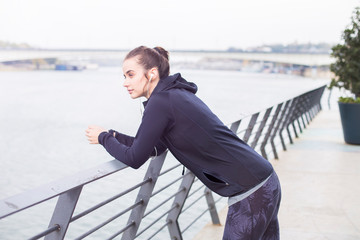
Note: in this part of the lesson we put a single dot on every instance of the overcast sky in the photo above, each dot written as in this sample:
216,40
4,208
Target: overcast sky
182,24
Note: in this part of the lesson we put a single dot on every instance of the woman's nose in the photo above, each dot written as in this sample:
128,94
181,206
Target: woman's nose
126,83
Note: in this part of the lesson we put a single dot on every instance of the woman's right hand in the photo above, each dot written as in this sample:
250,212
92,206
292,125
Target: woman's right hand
93,133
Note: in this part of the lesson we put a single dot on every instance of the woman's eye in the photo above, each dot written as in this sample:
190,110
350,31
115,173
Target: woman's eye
128,76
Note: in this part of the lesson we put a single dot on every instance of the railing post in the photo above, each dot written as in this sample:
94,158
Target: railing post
290,118
212,207
294,116
320,93
144,196
270,129
273,135
235,125
64,209
250,127
312,96
172,219
285,122
301,111
317,99
261,127
302,115
309,113
298,114
306,111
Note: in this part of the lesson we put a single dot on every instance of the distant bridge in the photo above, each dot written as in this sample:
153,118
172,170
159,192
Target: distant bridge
310,60
21,55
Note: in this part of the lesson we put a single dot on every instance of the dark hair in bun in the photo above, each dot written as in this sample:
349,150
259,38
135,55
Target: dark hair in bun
162,52
152,57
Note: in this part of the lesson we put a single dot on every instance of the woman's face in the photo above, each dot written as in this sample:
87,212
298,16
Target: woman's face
135,80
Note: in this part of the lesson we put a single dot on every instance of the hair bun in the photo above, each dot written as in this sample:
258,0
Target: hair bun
162,52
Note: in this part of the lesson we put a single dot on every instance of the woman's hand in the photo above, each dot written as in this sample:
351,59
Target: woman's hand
93,133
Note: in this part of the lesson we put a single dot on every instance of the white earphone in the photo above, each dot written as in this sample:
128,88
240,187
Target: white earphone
151,76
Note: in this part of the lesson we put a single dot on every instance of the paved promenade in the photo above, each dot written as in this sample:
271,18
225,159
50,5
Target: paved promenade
320,177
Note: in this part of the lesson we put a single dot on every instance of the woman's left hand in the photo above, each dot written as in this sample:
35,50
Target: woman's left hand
93,133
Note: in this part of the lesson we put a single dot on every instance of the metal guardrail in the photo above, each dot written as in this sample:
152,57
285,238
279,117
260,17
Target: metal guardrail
263,131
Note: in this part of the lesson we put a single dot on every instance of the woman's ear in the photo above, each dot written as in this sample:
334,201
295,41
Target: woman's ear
153,74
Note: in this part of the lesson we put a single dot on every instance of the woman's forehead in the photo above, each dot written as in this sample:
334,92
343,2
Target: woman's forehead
131,64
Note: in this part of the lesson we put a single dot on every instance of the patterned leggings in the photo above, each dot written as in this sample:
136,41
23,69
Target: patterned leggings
255,217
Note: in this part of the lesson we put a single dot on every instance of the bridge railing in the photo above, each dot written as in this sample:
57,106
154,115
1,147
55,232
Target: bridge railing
164,195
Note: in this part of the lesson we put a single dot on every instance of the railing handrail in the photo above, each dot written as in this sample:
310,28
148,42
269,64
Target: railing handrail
19,202
264,108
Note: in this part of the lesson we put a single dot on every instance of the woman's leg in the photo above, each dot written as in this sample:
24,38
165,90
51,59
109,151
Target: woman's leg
255,217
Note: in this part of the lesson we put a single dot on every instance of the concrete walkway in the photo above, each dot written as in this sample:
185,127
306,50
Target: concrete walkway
320,178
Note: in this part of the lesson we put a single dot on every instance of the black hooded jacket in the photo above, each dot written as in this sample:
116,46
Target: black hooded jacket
175,118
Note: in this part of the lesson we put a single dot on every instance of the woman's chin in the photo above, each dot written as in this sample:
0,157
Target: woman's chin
134,96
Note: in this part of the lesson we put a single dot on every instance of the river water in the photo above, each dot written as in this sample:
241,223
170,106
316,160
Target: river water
44,114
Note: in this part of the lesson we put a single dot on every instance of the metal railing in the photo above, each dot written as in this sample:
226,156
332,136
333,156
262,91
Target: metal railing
184,194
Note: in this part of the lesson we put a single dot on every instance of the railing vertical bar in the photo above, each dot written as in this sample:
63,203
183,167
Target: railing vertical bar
179,201
280,121
320,93
261,127
294,128
302,112
313,111
302,119
234,126
284,123
309,108
299,124
250,127
290,119
307,116
270,129
212,207
144,194
64,209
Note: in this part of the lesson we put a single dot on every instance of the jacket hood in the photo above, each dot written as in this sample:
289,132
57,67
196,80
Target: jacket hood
175,81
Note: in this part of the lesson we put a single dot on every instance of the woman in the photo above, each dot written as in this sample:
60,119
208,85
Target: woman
175,119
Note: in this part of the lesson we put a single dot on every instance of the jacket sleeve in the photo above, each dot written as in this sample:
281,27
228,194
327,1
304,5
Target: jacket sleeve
127,140
155,121
122,138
